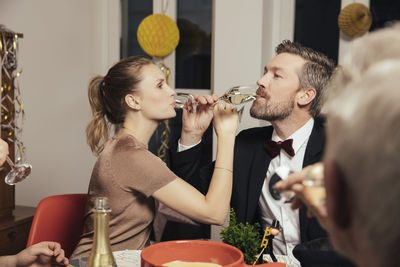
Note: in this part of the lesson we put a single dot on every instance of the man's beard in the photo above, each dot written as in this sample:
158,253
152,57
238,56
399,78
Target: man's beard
272,111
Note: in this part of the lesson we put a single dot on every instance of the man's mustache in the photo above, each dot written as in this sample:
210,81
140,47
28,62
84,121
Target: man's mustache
261,93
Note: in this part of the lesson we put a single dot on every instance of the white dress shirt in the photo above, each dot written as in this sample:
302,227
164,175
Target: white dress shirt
269,208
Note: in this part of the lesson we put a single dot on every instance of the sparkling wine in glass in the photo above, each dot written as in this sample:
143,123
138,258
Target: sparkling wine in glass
17,173
239,95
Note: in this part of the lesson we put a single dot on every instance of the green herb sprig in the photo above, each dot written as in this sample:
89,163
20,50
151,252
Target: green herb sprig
246,237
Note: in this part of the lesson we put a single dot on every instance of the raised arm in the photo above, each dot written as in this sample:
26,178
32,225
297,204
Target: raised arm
214,206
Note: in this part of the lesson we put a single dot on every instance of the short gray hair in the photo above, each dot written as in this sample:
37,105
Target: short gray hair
364,137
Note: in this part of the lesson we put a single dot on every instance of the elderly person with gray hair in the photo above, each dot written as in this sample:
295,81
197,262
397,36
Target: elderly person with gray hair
361,165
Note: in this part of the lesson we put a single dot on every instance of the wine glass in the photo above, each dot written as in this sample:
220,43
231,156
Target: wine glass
182,98
236,95
18,172
313,184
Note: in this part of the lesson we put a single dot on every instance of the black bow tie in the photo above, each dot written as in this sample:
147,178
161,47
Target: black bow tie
275,147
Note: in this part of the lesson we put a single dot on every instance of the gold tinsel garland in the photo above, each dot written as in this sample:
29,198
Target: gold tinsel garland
158,36
11,118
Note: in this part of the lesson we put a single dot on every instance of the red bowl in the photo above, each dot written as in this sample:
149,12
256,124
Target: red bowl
195,251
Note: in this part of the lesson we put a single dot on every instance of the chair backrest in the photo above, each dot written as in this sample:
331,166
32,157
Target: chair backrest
59,218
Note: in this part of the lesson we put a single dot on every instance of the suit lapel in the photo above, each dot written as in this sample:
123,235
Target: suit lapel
315,145
313,154
258,171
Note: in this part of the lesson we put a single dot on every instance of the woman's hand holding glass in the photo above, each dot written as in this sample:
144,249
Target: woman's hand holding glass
225,120
194,124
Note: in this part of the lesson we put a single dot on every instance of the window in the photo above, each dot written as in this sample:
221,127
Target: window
193,54
191,63
133,12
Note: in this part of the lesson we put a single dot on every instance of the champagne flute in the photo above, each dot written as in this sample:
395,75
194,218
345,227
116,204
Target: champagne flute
313,184
182,98
17,173
236,95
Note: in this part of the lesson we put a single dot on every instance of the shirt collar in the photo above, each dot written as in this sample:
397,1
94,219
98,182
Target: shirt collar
300,136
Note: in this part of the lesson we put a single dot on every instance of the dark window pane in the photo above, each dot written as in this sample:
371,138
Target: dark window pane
384,13
193,54
136,11
316,25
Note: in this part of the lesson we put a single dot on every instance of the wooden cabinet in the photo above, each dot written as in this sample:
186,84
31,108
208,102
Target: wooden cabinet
15,221
14,230
8,66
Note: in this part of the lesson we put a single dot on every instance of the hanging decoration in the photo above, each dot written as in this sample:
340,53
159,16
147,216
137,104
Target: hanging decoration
12,110
158,36
354,19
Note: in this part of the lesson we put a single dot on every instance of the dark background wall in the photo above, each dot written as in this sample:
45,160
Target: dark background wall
316,25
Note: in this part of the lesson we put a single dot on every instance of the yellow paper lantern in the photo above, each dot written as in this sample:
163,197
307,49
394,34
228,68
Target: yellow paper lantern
355,19
158,35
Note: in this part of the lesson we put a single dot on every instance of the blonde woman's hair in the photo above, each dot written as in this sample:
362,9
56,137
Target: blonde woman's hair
107,98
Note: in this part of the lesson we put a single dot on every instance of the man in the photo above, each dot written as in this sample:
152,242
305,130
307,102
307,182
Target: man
289,96
361,163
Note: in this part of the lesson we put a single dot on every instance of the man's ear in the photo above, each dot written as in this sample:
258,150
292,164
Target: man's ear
338,192
133,101
306,95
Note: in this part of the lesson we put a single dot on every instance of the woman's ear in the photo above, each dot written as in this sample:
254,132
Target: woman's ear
134,102
306,95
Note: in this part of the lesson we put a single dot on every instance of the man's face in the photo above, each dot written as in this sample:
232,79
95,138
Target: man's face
276,95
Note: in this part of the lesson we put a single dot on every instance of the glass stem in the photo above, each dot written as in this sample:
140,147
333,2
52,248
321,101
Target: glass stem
10,162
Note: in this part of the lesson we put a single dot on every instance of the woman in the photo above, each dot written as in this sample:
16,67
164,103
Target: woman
134,93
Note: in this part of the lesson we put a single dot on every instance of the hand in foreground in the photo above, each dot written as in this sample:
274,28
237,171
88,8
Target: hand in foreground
294,182
194,124
225,119
42,254
3,151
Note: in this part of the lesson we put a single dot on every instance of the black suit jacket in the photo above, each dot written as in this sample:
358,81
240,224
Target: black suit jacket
251,161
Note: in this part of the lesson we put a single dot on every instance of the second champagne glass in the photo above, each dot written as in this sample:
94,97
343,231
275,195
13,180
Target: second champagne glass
18,172
313,182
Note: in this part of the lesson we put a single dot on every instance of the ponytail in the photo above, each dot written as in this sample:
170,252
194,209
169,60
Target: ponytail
107,98
97,130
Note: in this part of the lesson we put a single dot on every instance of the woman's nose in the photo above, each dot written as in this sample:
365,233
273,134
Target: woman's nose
173,92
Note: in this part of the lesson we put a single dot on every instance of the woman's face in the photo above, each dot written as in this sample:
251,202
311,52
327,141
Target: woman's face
157,98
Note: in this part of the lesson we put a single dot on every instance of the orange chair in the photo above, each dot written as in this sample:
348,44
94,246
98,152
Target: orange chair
59,218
